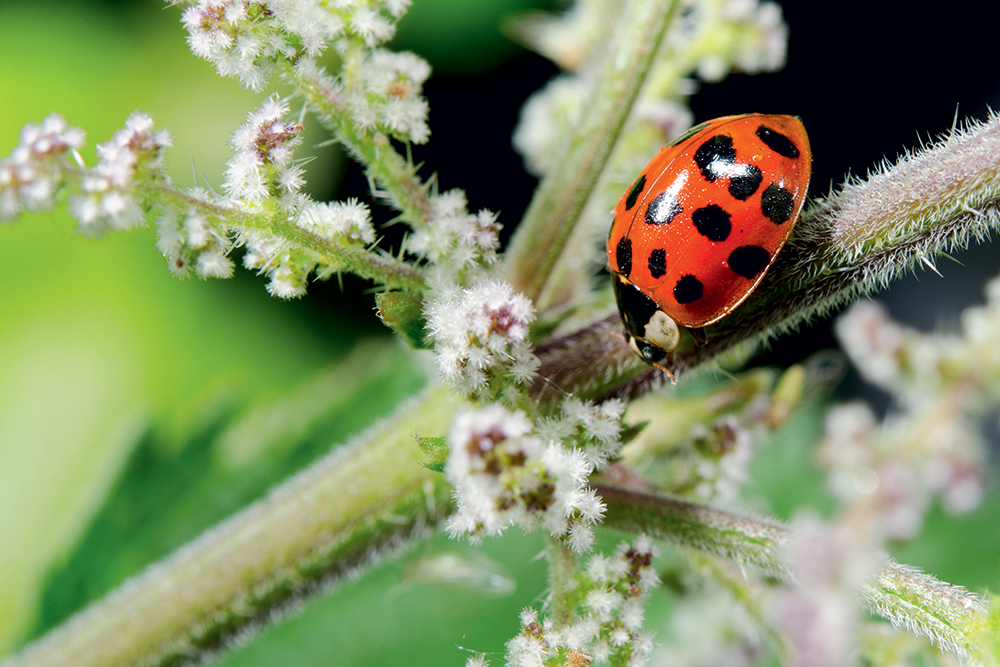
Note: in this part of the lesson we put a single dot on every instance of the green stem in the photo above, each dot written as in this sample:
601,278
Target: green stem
731,536
541,236
363,499
383,269
395,175
948,615
562,569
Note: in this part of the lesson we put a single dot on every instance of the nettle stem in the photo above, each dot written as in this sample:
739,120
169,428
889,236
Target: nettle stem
563,569
362,500
384,269
948,615
542,234
395,176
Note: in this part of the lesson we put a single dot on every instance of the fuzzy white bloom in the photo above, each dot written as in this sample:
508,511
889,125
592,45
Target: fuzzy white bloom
263,150
477,660
483,329
387,95
214,264
284,287
593,429
609,616
503,475
105,200
350,219
555,106
455,239
244,38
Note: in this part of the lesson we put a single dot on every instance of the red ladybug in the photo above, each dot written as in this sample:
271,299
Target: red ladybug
697,230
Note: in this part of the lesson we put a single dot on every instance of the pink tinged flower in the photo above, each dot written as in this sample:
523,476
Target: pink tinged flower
485,327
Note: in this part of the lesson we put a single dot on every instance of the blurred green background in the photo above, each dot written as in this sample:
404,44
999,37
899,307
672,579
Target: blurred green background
136,410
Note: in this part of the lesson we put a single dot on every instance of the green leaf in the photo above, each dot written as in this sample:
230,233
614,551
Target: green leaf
436,450
167,497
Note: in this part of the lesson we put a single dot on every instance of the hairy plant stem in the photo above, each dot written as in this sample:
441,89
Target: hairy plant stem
555,209
948,615
737,538
381,268
395,176
562,571
907,597
339,515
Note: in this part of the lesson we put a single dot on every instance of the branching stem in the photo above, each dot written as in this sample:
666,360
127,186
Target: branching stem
555,209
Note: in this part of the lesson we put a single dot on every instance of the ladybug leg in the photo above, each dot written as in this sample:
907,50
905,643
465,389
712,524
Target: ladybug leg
699,336
670,374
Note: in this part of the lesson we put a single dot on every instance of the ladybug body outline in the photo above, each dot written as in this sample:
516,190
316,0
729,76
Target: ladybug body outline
697,230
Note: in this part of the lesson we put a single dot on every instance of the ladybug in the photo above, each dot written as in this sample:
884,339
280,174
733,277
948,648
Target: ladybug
697,230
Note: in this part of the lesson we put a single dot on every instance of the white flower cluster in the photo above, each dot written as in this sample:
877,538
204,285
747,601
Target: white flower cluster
260,174
34,170
707,38
755,35
244,38
261,166
726,451
390,99
480,332
273,255
890,473
503,474
351,220
453,238
608,626
189,238
591,429
104,201
819,615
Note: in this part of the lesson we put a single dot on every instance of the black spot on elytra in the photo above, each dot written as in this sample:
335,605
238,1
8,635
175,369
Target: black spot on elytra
712,222
633,194
688,289
745,183
717,149
749,260
658,263
777,203
623,255
635,307
777,142
663,209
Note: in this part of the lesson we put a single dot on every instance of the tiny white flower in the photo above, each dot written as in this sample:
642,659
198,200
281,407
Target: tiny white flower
213,264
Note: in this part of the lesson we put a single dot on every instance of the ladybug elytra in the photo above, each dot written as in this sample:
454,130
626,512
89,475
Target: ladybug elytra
695,233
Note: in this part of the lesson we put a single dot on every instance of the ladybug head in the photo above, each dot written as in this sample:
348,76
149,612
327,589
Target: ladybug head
649,331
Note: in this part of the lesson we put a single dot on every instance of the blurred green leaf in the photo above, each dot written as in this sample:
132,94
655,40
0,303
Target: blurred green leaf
166,497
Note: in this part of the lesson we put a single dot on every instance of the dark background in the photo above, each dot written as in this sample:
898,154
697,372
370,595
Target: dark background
870,80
